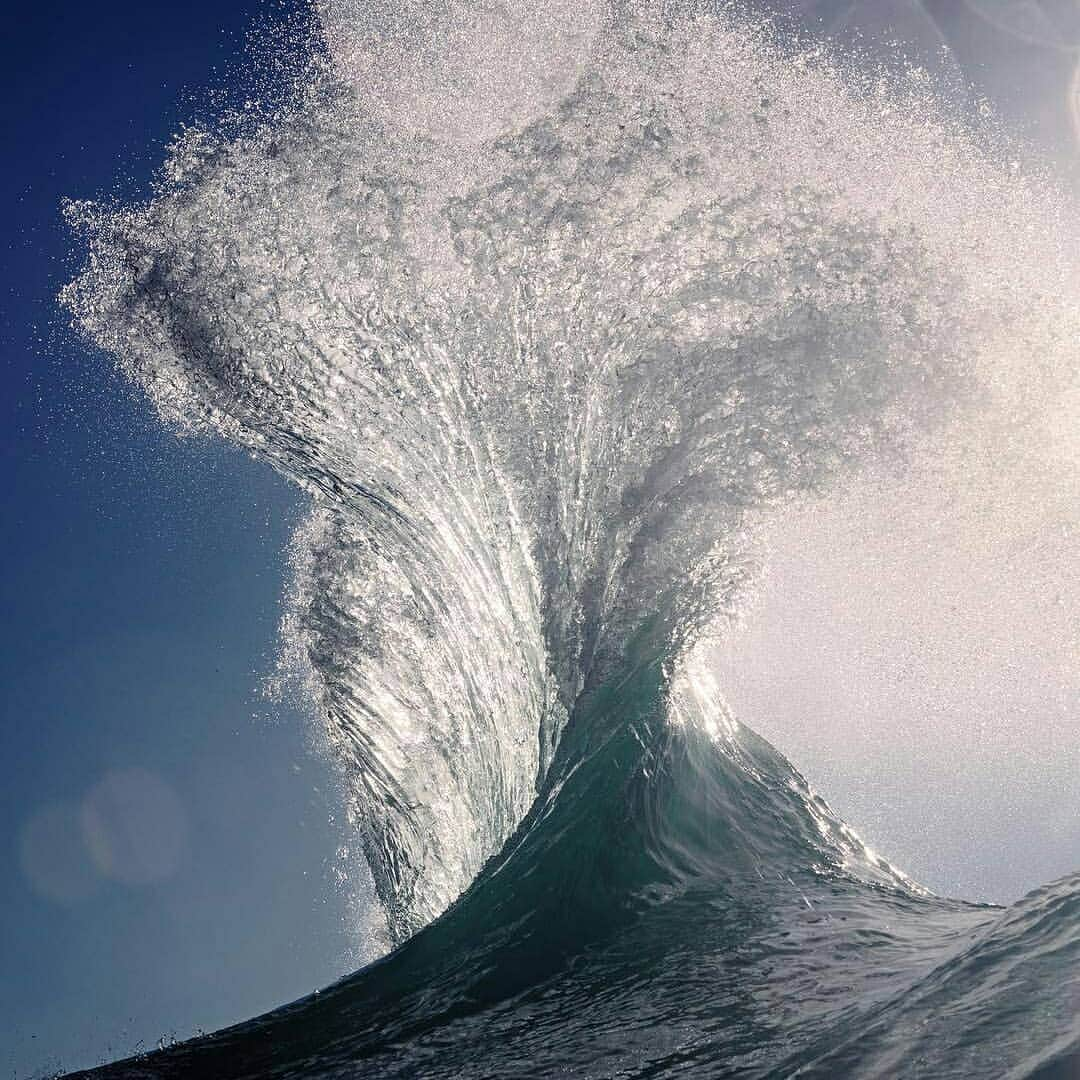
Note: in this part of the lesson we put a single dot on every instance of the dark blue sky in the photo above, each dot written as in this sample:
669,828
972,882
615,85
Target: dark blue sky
140,591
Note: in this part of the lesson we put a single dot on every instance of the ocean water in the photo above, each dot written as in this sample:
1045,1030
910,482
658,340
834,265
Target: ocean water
548,307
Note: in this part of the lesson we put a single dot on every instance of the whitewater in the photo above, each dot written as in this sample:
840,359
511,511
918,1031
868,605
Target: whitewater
548,307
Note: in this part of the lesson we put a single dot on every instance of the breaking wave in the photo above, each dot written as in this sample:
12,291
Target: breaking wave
544,342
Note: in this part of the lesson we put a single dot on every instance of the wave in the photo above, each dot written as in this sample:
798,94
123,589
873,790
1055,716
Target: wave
679,903
543,349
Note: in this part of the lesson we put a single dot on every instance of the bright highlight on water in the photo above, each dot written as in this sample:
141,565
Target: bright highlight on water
548,307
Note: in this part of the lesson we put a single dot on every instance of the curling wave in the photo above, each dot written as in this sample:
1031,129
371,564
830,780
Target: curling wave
542,373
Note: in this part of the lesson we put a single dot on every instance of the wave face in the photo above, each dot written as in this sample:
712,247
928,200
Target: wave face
544,342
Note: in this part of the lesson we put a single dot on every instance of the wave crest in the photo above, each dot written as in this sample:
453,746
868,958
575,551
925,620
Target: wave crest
539,385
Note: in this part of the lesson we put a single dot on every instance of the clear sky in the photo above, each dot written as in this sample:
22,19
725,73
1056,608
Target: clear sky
166,842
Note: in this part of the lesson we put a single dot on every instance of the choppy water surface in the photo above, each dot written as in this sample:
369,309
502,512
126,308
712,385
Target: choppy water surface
546,342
